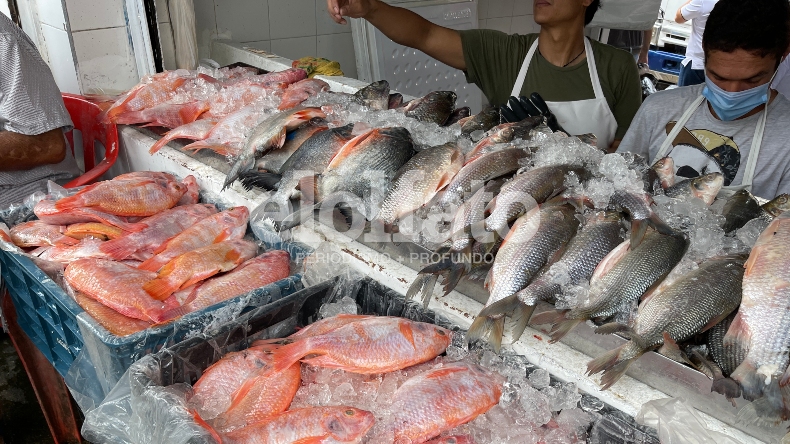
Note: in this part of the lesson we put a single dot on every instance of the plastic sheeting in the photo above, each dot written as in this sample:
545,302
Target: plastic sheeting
678,423
634,15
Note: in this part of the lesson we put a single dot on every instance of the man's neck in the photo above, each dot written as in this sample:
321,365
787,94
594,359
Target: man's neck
559,45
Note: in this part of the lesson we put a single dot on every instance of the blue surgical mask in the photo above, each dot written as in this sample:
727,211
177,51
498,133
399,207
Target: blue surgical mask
732,105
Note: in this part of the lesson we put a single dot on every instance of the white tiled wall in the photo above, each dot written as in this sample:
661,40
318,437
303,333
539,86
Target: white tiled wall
508,16
290,28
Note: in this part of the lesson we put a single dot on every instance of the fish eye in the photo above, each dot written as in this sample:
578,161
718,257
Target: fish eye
349,412
451,441
440,332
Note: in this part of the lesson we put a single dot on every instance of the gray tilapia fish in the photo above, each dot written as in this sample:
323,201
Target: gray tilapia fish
434,107
762,326
536,239
724,359
376,95
274,160
664,170
474,174
484,121
599,236
639,205
268,135
363,161
673,313
620,280
395,101
504,133
703,187
458,115
777,206
740,208
415,184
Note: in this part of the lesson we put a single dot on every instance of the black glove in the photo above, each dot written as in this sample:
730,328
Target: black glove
520,108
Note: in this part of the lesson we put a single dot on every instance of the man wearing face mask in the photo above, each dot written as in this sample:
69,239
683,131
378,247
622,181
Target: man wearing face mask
733,123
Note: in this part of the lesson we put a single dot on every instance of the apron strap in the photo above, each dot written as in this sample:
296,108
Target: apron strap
754,151
522,74
664,150
596,81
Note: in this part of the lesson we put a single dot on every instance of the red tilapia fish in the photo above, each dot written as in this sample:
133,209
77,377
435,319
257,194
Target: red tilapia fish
192,196
301,91
337,424
110,319
199,265
168,115
375,345
65,254
255,273
38,234
263,395
197,130
162,88
133,197
284,77
214,390
441,399
46,212
117,286
159,228
93,229
226,225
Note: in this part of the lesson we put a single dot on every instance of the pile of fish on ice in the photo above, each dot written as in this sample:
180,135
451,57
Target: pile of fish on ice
139,249
605,237
378,379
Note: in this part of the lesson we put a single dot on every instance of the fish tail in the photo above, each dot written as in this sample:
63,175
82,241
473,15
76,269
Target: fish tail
119,249
153,264
614,363
769,410
243,163
560,324
158,315
727,387
750,381
161,142
202,423
487,326
423,284
267,181
287,355
160,288
511,306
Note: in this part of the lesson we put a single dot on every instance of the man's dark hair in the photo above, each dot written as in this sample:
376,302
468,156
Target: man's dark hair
758,26
589,13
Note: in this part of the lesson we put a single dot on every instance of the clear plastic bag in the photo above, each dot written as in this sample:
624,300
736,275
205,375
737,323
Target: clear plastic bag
678,422
635,15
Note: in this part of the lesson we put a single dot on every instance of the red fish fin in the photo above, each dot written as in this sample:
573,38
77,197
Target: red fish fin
75,201
749,263
285,356
238,396
119,249
232,256
66,240
323,361
405,330
308,186
310,440
158,315
671,350
223,235
443,372
350,146
195,279
160,288
202,423
192,111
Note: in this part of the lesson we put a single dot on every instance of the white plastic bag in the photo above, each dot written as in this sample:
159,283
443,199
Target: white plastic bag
634,15
678,422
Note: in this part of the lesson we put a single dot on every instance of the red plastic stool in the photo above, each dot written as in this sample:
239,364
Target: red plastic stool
86,117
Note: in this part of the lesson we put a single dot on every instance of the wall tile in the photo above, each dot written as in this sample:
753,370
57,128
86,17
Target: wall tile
61,61
105,60
295,48
522,7
51,13
205,26
245,19
482,9
162,14
291,18
324,23
94,14
168,46
340,48
263,44
500,8
499,24
524,24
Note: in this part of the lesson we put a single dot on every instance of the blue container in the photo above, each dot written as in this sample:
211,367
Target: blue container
665,62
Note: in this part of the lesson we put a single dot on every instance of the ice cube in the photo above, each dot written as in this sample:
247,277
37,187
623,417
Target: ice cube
749,233
348,305
535,405
590,403
557,436
455,353
573,420
319,395
567,396
490,359
343,393
509,394
539,378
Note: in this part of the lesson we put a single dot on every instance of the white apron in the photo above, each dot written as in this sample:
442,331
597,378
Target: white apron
754,151
579,116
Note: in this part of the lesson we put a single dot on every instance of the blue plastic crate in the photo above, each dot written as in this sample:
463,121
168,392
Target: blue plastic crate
665,62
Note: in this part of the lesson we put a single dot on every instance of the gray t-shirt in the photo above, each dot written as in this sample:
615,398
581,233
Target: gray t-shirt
707,144
30,104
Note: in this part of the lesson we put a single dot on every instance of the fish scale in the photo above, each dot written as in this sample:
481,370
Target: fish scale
472,176
727,356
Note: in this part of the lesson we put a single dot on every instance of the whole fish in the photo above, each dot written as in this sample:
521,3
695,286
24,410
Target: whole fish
395,101
38,234
434,107
326,325
474,174
368,346
375,96
155,175
192,196
441,399
337,424
301,91
168,115
199,265
763,322
226,225
213,392
229,132
458,115
263,395
504,133
484,121
268,135
93,229
46,212
703,187
197,130
739,209
117,286
162,88
639,205
521,193
273,162
114,322
673,313
159,228
664,170
777,205
416,182
283,78
599,236
376,154
140,197
620,280
65,254
536,240
263,270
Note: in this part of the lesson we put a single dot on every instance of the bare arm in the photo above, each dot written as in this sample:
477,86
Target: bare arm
21,152
679,16
404,27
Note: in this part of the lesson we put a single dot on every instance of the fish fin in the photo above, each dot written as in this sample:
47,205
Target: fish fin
202,423
727,387
457,271
276,142
703,364
487,326
238,396
511,306
75,201
152,264
308,186
423,284
660,225
443,372
405,330
755,253
190,112
266,181
349,147
285,356
177,312
160,143
638,230
560,325
671,350
614,363
243,163
610,261
310,440
612,328
119,249
323,361
738,334
194,279
769,410
160,288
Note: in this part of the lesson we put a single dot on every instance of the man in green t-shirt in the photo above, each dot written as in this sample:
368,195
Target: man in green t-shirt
601,101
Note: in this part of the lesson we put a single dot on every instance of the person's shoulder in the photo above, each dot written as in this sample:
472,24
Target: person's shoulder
674,97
